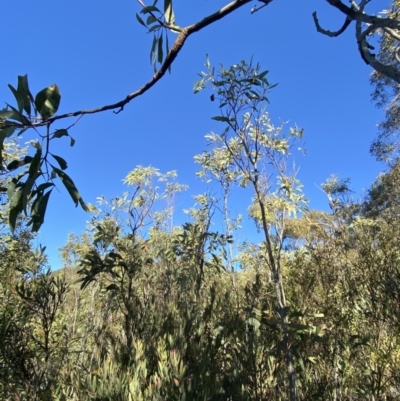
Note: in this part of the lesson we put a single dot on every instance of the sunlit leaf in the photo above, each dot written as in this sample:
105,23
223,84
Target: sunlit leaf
169,12
47,101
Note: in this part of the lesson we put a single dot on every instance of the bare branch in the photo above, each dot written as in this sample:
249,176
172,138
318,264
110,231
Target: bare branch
356,13
332,34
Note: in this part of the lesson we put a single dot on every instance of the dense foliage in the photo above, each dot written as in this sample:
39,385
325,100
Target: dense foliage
146,310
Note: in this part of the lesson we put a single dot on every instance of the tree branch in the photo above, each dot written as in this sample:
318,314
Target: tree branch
171,56
332,34
356,13
369,58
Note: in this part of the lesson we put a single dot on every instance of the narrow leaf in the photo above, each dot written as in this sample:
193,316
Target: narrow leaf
15,209
140,20
160,49
71,188
25,93
39,211
62,162
18,98
19,163
220,118
169,12
147,9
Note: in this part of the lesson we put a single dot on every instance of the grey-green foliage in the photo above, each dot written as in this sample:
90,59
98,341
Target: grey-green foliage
33,175
145,310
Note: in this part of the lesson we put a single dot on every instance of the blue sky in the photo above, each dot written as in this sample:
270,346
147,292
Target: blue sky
97,53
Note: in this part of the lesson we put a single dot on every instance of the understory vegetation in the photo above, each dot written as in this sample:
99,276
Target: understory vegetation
147,310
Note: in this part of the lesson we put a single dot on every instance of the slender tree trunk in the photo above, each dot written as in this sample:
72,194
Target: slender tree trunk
280,297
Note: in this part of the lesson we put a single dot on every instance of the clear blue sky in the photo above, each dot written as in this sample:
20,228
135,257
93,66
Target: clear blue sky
97,53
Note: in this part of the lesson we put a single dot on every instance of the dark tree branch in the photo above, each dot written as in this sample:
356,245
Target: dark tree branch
364,48
332,34
356,13
171,56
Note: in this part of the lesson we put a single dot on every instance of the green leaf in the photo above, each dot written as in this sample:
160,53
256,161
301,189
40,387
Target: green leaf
39,210
44,186
71,188
60,133
18,98
140,20
15,209
47,101
34,172
153,50
19,163
17,116
150,20
25,93
155,28
35,162
13,184
147,9
160,49
62,162
13,114
220,118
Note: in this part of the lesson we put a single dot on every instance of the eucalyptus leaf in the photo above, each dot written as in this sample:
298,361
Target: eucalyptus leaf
140,20
15,209
19,163
220,118
18,98
62,162
60,133
47,101
39,210
25,93
71,188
